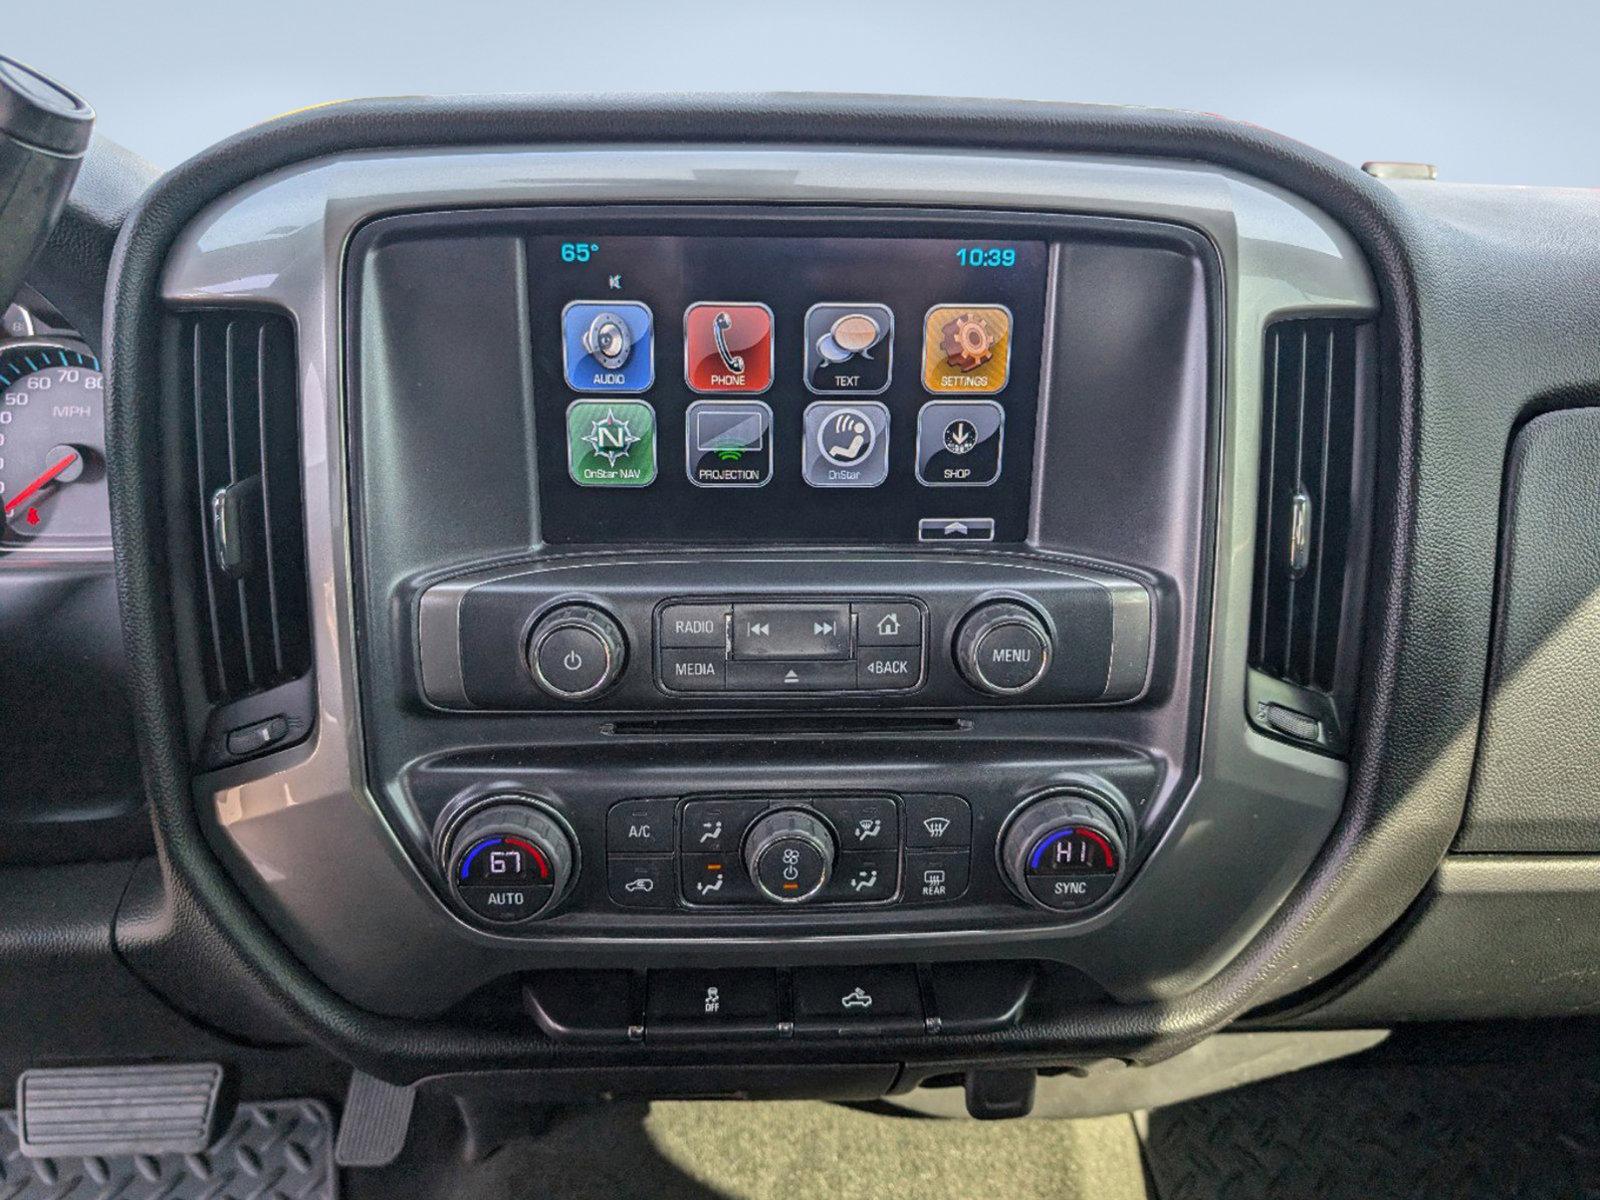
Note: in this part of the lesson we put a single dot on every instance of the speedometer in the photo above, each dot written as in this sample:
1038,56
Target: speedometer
52,447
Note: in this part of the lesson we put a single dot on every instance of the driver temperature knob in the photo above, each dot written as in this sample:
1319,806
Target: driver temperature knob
789,855
1065,851
509,860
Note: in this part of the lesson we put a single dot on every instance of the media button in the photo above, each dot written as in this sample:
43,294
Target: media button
958,442
849,348
608,346
693,670
727,347
846,444
728,443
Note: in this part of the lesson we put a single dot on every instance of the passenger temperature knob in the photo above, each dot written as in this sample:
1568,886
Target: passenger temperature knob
1064,852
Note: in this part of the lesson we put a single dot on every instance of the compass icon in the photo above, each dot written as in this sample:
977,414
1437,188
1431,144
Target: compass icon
611,437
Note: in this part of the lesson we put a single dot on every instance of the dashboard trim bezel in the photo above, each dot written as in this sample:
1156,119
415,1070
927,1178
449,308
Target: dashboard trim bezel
207,909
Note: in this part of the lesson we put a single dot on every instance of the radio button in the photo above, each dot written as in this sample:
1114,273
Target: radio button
693,670
697,625
791,631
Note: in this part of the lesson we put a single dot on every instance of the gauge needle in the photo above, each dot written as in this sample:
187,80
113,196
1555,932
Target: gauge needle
49,474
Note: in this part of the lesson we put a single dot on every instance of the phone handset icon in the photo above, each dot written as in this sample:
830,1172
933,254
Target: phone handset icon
719,334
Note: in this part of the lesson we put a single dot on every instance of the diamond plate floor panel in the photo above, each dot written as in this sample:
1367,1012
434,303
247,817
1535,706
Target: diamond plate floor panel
277,1151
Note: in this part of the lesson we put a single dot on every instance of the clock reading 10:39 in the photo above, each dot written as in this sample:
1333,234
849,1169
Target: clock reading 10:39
987,256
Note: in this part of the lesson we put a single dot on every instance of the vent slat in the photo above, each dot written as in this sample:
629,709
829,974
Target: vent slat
264,466
254,607
1307,467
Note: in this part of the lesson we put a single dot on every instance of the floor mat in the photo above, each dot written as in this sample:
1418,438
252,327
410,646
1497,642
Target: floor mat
739,1150
281,1150
1385,1133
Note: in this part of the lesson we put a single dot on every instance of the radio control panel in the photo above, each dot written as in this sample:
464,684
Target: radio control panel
912,630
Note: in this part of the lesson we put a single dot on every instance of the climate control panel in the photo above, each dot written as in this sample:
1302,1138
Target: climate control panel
509,859
755,852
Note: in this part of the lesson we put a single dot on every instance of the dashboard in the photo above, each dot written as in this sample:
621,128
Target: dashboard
729,575
620,615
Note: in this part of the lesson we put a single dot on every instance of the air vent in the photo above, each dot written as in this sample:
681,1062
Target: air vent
238,371
1310,543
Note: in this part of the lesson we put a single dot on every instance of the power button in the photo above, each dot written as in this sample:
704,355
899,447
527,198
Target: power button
575,652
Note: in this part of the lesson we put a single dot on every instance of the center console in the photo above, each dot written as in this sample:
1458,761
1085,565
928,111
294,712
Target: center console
812,581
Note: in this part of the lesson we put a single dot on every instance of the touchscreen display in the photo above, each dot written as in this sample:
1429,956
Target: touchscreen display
783,390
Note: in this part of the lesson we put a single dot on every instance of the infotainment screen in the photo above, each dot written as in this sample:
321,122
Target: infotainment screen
780,389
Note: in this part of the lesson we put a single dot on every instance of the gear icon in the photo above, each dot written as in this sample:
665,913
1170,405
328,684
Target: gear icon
967,341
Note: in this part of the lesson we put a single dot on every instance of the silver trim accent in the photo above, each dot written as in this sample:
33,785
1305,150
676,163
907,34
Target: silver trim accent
280,240
439,643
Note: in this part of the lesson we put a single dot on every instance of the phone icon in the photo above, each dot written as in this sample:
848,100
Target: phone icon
727,347
720,324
